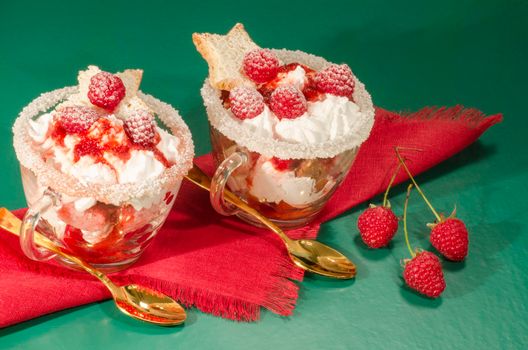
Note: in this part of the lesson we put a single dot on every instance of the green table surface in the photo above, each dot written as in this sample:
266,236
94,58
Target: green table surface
409,54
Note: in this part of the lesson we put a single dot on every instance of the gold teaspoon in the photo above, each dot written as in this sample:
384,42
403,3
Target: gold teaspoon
308,254
139,302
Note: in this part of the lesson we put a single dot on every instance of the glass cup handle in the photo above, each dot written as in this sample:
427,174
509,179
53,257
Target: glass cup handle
219,181
30,222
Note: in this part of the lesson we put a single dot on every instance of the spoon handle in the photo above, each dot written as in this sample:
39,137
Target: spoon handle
10,223
198,177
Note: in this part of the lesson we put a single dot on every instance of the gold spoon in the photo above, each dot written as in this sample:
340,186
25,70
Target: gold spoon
139,302
308,254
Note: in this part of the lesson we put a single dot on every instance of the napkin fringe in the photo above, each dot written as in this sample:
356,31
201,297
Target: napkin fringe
206,301
280,297
469,116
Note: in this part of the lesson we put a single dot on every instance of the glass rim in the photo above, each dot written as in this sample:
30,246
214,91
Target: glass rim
49,176
221,119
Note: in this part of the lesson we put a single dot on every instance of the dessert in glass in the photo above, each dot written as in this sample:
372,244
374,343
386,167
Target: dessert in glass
101,165
285,126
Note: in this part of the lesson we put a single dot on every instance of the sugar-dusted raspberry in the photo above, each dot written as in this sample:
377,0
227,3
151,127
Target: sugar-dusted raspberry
106,90
246,102
260,65
287,102
141,128
76,119
336,80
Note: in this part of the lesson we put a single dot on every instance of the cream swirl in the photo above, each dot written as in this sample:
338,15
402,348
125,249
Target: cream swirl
325,120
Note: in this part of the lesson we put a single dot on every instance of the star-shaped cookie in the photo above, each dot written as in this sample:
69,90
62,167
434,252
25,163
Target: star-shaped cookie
224,54
131,79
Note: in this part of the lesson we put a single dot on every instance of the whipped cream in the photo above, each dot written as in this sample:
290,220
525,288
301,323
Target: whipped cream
141,165
296,77
325,120
263,124
274,186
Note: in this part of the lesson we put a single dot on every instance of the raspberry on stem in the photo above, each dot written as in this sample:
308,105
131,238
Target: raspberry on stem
423,272
378,225
448,235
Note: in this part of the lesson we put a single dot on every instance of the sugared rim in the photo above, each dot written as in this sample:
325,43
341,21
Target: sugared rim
116,194
221,119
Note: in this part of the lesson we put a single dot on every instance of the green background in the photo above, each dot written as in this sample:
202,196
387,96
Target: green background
409,54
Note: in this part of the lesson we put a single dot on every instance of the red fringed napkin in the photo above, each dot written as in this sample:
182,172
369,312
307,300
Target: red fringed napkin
221,265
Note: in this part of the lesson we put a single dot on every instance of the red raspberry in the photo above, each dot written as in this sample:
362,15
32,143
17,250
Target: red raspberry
281,164
424,274
260,65
377,226
246,103
450,238
77,119
336,80
106,90
141,128
287,102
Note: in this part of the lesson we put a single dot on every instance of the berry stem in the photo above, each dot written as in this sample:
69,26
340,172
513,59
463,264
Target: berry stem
384,204
402,161
409,188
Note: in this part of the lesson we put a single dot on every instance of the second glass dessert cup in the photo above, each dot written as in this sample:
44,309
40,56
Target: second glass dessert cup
288,182
121,219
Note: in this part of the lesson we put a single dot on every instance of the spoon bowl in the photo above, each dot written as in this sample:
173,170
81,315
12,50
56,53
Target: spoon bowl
147,305
321,259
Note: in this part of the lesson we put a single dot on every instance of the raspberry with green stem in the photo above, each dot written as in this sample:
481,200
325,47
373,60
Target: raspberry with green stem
377,224
448,235
423,272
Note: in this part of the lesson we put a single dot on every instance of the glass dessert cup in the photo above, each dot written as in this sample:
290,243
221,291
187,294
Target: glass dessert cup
121,220
288,182
305,185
